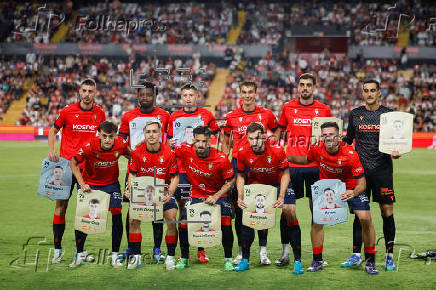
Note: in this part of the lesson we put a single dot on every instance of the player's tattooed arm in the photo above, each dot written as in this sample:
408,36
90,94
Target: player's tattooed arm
76,171
284,183
51,144
226,144
129,182
360,187
224,189
302,160
172,188
240,182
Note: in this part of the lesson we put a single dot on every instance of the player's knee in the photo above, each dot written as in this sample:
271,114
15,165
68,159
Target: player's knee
365,220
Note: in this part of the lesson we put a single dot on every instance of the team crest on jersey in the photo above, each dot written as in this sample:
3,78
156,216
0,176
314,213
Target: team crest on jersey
95,117
251,160
144,159
316,112
77,116
295,111
97,155
269,159
210,165
260,117
162,160
240,119
117,154
339,161
322,157
361,118
191,160
158,117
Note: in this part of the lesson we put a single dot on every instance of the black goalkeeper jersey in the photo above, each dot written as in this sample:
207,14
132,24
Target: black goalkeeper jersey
364,126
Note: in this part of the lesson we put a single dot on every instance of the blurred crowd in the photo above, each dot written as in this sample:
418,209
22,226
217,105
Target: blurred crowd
339,84
57,82
208,23
12,76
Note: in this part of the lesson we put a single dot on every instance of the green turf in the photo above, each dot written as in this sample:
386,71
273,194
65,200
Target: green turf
24,214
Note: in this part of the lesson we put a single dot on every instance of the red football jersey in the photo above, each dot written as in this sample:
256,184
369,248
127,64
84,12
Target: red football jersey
200,113
142,162
297,119
133,123
78,127
263,168
344,165
101,166
238,120
206,175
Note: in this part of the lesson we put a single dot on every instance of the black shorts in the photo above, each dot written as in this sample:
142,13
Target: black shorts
125,187
302,177
183,190
113,189
234,193
380,183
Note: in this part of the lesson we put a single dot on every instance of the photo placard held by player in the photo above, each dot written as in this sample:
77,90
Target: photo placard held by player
183,129
146,199
316,127
396,132
56,179
260,213
91,211
136,127
328,207
206,233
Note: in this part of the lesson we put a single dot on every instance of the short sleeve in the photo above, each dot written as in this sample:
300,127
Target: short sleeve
312,153
60,121
228,170
82,153
272,121
173,169
283,122
228,125
124,127
240,163
356,165
133,164
212,123
283,159
170,132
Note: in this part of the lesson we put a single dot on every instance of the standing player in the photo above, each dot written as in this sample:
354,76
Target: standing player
237,122
296,117
79,123
267,164
149,159
364,126
193,115
132,126
211,176
340,161
100,172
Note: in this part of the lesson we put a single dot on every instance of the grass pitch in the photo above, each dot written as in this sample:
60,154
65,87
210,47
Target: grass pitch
26,234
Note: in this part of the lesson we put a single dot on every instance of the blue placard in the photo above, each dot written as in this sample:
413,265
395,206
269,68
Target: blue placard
55,180
328,207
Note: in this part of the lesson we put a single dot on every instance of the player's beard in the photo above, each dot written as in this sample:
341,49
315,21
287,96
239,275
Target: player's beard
202,152
305,95
86,100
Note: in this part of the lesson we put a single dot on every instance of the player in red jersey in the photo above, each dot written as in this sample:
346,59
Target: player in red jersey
267,164
180,132
296,121
100,172
337,160
149,158
132,127
237,122
211,176
78,123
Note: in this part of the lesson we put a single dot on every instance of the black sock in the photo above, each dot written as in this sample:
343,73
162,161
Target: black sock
58,230
183,240
227,240
294,234
263,237
200,249
157,234
238,224
80,240
135,243
247,235
171,242
283,230
389,232
128,229
369,254
357,235
117,232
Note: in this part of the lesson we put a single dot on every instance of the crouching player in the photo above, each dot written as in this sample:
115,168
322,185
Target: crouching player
337,160
212,177
267,164
149,158
100,157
